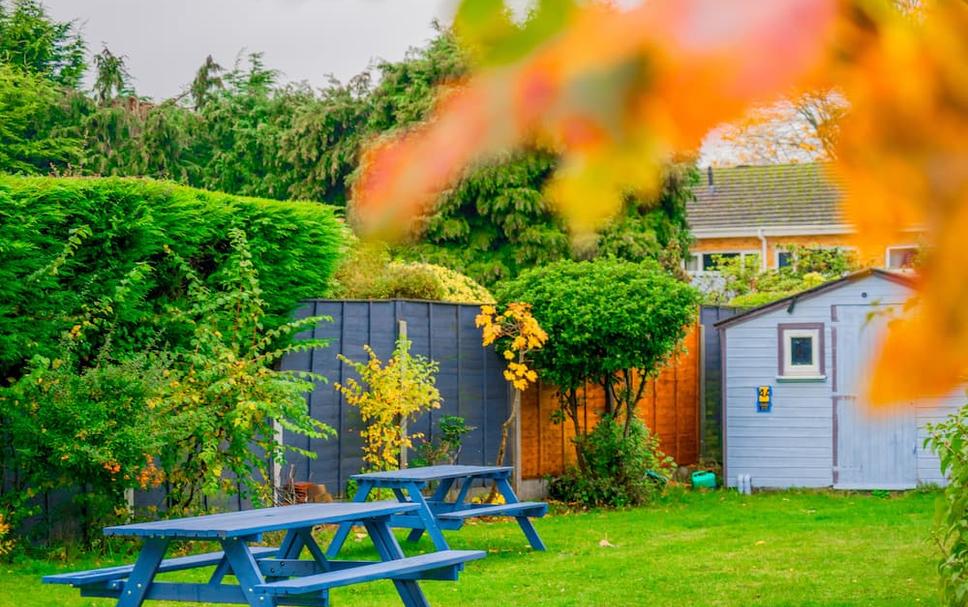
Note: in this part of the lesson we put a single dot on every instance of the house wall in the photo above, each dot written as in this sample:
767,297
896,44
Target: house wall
793,445
752,243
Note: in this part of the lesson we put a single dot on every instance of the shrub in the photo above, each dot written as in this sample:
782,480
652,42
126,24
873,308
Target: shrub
97,421
369,273
6,544
949,439
446,448
617,467
67,243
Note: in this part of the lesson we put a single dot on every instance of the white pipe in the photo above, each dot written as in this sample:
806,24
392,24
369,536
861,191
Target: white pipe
763,249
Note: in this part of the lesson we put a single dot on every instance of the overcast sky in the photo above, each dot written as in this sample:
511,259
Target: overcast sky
166,40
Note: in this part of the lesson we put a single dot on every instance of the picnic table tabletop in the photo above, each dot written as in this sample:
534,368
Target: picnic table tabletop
435,473
266,576
435,513
251,522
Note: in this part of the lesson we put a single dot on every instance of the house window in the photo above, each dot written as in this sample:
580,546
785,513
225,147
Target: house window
709,262
901,258
692,263
784,259
801,351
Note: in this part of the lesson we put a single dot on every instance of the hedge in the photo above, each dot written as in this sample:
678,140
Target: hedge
67,243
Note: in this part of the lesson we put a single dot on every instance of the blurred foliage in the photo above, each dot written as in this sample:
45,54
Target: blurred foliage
67,243
617,91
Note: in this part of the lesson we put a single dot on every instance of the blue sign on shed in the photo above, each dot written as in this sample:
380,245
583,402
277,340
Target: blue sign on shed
764,399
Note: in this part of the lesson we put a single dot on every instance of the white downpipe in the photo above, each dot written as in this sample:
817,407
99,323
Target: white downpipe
764,264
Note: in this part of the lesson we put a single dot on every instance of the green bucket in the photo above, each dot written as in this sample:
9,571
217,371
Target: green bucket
703,480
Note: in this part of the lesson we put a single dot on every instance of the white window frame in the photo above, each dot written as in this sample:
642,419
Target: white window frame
899,247
776,257
780,248
699,262
786,369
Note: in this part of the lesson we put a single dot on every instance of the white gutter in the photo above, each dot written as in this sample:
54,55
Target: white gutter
757,231
792,230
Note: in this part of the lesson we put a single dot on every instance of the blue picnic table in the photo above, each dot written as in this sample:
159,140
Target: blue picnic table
266,576
435,514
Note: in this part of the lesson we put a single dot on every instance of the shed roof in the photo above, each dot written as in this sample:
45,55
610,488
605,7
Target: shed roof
904,279
751,197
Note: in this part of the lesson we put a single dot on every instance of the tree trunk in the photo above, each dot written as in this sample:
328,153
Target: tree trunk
502,449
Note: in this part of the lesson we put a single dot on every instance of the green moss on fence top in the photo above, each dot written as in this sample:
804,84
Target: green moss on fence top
46,281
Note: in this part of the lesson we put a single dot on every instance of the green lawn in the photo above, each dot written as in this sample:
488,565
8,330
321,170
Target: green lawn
693,549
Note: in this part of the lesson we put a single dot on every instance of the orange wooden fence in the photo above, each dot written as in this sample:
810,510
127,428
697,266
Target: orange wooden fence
670,407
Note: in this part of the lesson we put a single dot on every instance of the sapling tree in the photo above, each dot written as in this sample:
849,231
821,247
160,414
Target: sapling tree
388,395
518,334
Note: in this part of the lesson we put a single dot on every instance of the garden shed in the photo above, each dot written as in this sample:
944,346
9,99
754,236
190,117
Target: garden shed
793,372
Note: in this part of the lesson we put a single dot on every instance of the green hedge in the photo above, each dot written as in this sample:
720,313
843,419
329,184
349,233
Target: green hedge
67,243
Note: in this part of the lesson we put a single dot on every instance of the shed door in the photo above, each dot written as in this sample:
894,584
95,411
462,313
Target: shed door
873,448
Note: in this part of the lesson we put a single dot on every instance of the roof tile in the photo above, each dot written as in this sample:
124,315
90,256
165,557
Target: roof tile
766,196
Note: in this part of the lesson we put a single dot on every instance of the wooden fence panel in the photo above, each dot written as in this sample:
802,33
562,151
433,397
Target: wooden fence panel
669,407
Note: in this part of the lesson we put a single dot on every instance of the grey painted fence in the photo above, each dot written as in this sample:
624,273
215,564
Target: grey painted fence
710,397
470,379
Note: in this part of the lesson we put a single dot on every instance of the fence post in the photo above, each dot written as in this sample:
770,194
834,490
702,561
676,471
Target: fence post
402,336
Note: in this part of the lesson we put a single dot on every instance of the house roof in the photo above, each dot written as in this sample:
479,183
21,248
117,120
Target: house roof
747,198
792,300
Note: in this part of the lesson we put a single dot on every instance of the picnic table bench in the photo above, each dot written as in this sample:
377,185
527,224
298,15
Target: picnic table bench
435,514
267,576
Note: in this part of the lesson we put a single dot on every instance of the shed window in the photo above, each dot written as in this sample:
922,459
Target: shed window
801,351
901,258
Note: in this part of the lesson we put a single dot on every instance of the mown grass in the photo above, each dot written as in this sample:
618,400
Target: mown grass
717,549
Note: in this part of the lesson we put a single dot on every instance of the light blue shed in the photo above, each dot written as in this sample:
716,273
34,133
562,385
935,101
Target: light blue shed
793,373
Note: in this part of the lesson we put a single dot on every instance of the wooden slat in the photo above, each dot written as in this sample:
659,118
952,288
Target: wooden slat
251,522
530,509
367,573
94,576
435,473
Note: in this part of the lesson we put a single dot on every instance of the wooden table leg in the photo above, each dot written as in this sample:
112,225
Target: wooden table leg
388,549
439,495
427,517
362,492
145,568
524,522
246,570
